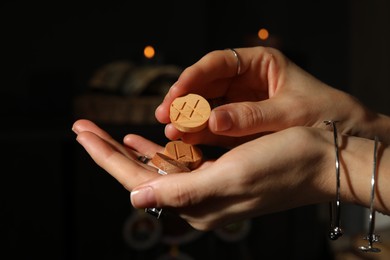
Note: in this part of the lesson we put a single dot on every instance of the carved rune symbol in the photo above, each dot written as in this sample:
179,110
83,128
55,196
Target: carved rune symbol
187,111
190,113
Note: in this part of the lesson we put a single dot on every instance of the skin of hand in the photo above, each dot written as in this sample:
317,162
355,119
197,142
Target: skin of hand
283,170
270,94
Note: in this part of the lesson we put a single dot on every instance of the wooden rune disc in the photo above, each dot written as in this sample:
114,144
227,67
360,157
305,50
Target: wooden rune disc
168,165
190,113
189,155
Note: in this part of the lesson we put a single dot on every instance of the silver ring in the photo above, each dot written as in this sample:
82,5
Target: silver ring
143,158
238,61
155,212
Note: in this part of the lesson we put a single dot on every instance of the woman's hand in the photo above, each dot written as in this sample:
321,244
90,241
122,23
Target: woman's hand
276,172
250,180
270,94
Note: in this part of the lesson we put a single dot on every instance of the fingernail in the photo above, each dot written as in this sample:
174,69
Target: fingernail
220,120
173,85
74,130
143,198
158,108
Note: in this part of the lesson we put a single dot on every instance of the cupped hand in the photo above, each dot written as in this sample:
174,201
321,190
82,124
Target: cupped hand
249,180
270,94
275,172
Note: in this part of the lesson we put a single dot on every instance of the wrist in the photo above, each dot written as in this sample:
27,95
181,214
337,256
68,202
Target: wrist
355,160
356,172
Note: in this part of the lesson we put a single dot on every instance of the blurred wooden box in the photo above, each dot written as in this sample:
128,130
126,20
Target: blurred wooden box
113,109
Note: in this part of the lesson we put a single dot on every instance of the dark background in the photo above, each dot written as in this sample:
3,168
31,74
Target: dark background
56,203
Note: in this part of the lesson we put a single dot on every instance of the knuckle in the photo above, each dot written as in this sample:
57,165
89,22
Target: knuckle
182,196
249,116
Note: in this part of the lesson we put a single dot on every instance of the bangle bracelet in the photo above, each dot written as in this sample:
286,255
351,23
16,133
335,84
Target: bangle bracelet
371,237
335,208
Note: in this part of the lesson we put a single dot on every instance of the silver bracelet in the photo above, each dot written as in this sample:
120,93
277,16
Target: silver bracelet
371,237
335,207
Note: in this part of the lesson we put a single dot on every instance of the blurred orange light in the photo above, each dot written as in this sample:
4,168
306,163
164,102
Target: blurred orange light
149,52
263,34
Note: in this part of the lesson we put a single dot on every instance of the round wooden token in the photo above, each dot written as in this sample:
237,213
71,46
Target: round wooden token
189,155
190,113
168,165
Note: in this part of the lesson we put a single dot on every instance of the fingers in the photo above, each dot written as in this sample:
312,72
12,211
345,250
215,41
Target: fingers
184,194
128,172
142,145
247,118
180,190
172,190
243,119
119,161
215,76
208,77
172,132
83,125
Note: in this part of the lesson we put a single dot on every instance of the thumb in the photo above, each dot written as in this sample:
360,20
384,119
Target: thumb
172,190
245,118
